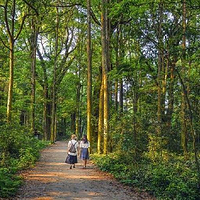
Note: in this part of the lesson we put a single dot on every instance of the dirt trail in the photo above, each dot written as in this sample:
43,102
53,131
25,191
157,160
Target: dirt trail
52,179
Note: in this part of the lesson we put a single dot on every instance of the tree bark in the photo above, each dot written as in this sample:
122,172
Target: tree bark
33,72
12,38
89,73
183,103
78,94
10,31
10,86
104,34
54,86
100,121
160,81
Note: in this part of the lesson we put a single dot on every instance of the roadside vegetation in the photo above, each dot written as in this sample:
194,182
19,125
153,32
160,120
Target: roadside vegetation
174,178
19,150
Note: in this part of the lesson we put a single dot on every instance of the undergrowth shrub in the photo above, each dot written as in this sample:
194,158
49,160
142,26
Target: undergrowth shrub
175,179
18,150
9,182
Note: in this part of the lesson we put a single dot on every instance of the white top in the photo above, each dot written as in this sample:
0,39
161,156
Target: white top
76,146
84,145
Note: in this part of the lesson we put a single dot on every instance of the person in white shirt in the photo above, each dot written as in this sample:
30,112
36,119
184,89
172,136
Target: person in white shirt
84,145
72,151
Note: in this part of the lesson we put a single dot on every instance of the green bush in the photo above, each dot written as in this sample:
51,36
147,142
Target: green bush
18,150
9,182
175,179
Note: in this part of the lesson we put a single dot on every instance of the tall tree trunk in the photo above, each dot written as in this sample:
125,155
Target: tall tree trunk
46,101
160,79
183,103
121,82
78,94
73,122
117,66
89,73
100,121
10,86
104,34
45,136
54,86
10,31
135,109
170,98
33,73
12,38
121,95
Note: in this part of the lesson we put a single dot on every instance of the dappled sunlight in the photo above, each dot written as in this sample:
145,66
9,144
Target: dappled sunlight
72,176
69,195
90,177
87,195
52,163
42,198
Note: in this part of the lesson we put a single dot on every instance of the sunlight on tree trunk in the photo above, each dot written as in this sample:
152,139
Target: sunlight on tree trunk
12,38
104,34
89,74
100,121
10,87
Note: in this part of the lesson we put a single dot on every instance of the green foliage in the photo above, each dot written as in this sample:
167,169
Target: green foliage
176,179
18,150
9,183
16,142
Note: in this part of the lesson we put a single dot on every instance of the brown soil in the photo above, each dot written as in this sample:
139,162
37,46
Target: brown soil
52,179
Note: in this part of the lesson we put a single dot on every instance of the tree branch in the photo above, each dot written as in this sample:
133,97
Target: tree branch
4,43
32,7
94,17
21,26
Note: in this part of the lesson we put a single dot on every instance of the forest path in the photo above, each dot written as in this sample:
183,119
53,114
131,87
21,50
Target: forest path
52,179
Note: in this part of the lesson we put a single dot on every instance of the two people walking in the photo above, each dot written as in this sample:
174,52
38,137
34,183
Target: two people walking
74,149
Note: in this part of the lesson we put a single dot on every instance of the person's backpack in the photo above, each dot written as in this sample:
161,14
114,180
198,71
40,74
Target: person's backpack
72,148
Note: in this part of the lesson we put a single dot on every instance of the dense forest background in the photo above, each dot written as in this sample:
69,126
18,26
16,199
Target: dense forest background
124,72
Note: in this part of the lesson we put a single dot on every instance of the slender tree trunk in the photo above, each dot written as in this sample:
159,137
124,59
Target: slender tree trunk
121,82
89,74
135,109
100,121
121,96
117,66
10,86
45,114
53,113
54,86
183,103
78,107
171,98
104,20
116,95
73,122
10,31
33,73
12,38
160,79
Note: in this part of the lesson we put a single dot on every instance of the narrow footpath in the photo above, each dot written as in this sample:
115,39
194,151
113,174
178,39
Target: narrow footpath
52,179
